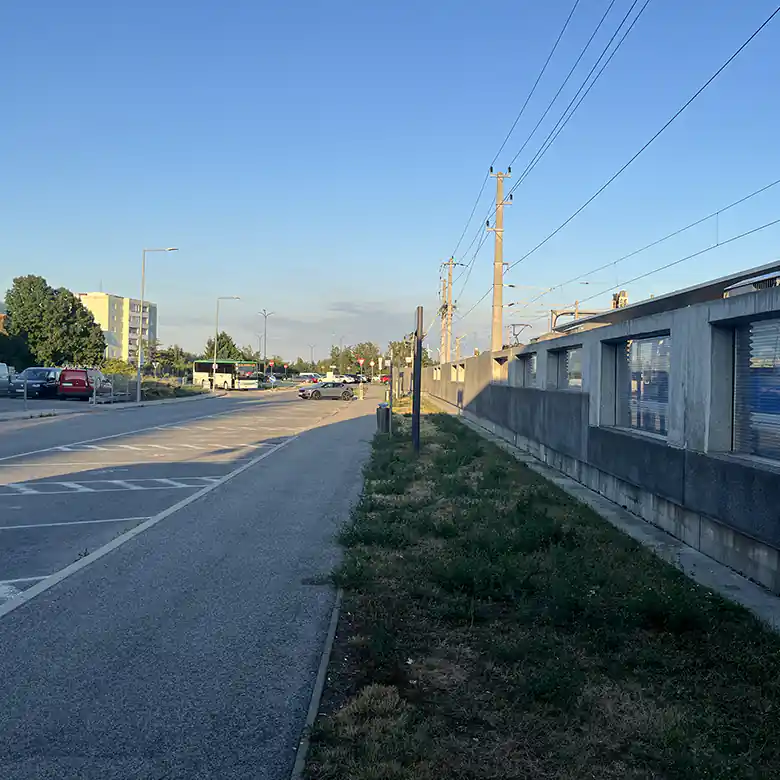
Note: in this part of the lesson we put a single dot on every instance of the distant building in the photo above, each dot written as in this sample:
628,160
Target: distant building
120,319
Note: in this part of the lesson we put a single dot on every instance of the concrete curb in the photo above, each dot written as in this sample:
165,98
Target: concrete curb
694,564
316,694
105,407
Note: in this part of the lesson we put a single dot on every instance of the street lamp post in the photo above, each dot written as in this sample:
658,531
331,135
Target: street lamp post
311,355
216,337
265,315
141,318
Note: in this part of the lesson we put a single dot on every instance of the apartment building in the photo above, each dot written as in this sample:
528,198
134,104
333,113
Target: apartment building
120,319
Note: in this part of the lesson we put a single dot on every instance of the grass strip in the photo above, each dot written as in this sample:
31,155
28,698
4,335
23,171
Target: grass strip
493,627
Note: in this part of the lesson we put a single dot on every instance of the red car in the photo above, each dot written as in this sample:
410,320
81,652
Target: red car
384,379
81,383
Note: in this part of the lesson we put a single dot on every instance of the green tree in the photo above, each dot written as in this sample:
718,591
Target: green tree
14,352
55,324
117,366
226,348
368,351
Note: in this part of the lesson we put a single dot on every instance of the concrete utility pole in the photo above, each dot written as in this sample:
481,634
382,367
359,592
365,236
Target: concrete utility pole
449,308
442,350
497,330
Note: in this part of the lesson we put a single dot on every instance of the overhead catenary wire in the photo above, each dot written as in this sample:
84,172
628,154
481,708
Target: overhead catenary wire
680,260
514,125
491,212
650,141
655,243
571,71
563,120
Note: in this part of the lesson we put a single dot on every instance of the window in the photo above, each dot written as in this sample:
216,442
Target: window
757,388
570,368
529,370
642,391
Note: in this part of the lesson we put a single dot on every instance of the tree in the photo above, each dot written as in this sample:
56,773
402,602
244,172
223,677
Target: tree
55,324
14,352
176,359
226,348
116,366
368,351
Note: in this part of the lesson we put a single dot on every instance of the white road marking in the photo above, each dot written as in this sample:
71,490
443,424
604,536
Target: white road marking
77,487
23,489
74,522
128,447
125,484
57,577
8,592
24,579
172,483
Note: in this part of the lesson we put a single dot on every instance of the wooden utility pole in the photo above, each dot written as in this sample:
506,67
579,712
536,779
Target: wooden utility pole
442,351
497,330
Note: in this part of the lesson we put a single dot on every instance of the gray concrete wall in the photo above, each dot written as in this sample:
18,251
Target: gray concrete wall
689,482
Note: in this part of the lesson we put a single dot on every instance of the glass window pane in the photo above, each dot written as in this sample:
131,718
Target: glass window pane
643,384
757,389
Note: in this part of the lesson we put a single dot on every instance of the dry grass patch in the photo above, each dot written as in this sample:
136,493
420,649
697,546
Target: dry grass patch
494,628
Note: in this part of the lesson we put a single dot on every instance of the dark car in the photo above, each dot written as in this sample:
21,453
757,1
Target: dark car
41,383
82,383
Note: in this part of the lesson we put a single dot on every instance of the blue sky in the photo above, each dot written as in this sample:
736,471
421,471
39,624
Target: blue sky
320,159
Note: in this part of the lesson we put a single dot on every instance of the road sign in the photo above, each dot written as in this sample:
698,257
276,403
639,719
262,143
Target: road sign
371,364
361,361
214,366
285,365
270,363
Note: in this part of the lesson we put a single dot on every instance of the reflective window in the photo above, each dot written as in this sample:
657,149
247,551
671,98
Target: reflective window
643,384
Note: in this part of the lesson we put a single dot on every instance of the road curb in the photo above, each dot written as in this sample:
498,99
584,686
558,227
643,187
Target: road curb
105,407
319,687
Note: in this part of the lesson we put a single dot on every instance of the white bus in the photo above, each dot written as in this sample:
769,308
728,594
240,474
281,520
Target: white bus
226,374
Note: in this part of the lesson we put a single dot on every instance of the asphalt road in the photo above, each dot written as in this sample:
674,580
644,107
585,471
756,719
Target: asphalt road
188,649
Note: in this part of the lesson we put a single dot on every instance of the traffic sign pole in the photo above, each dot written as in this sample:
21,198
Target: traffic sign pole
361,361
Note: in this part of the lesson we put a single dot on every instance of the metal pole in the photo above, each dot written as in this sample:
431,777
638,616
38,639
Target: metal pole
141,329
417,379
390,394
216,338
25,392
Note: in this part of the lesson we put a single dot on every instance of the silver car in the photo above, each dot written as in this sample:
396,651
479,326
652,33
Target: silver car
326,390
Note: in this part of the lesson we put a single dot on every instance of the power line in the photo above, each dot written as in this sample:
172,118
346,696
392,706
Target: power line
656,242
514,124
538,79
573,67
563,120
651,140
582,53
676,262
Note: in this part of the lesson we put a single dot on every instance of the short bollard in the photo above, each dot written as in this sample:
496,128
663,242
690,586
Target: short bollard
383,418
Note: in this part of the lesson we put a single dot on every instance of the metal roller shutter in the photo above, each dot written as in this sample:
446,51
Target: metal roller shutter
757,388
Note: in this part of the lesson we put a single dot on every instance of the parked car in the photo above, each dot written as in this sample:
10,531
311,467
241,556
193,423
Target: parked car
347,379
384,379
326,390
5,377
82,383
41,383
309,377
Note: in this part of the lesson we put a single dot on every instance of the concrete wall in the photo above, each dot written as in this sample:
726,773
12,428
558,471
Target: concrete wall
689,482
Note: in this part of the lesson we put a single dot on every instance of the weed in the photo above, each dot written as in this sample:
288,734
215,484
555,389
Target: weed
494,628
